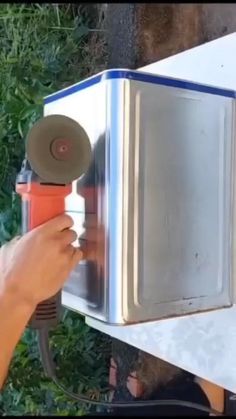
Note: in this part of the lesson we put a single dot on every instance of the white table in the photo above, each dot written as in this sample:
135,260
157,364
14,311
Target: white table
204,344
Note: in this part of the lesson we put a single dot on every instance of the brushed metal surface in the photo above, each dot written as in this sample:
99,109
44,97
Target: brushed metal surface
180,207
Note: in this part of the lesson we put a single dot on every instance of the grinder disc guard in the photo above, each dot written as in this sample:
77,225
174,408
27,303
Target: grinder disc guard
58,149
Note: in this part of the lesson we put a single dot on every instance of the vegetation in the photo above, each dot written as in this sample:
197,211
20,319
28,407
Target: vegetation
43,48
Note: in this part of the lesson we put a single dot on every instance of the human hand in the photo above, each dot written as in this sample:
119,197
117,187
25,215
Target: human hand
35,266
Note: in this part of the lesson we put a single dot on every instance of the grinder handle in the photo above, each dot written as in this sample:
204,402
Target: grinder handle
40,203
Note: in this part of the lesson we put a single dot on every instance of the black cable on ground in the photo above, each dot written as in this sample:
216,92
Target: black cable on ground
50,371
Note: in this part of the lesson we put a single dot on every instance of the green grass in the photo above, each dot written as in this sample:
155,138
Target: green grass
81,355
43,48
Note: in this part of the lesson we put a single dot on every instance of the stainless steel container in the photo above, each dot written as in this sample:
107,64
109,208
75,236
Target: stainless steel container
157,201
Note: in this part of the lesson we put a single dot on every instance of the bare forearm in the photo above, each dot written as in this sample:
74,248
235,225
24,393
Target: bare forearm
33,268
14,316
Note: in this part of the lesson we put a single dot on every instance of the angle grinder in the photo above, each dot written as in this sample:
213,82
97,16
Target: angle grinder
58,151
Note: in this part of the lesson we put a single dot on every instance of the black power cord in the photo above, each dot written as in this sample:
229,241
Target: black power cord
49,369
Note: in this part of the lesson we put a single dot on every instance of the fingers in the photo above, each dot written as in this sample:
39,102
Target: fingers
90,235
75,255
68,236
59,223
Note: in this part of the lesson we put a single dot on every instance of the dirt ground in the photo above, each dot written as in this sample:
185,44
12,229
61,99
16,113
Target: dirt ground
139,34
